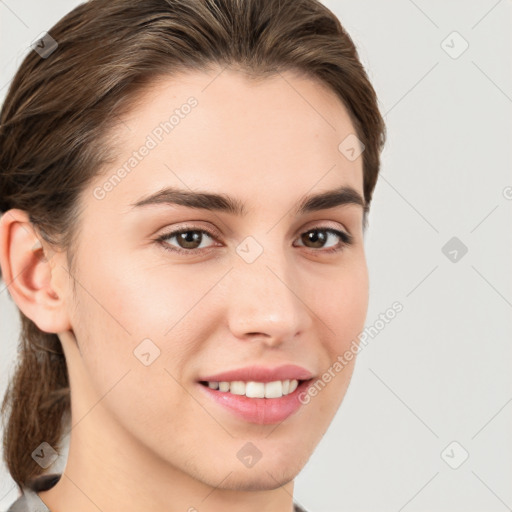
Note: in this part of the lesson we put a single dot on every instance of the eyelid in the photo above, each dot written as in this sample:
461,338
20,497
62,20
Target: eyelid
325,224
191,226
345,237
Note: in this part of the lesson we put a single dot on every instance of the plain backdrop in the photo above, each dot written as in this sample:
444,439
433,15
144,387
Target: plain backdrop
426,423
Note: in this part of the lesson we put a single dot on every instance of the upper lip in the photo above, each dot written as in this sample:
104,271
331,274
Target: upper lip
261,374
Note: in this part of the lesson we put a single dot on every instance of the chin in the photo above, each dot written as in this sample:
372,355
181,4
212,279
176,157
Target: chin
263,479
267,474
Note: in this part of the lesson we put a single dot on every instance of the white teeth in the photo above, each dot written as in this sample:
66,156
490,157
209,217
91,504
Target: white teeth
254,389
237,387
251,389
273,389
293,386
223,386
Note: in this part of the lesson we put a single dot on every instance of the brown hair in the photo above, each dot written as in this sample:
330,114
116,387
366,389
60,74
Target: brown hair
59,109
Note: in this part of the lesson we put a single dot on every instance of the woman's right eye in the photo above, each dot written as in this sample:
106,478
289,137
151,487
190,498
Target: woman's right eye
187,238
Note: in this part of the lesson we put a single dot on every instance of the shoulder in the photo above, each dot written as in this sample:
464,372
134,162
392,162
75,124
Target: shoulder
29,501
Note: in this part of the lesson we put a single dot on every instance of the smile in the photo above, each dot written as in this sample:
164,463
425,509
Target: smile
252,389
257,402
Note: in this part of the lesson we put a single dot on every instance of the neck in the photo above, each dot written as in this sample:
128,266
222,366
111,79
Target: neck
112,472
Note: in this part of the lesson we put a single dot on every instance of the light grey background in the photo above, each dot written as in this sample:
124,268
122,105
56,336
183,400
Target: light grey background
441,370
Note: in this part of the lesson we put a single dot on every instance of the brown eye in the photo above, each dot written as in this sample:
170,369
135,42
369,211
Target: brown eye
187,240
318,237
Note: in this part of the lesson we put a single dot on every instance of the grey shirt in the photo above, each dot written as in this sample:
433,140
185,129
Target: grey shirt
29,501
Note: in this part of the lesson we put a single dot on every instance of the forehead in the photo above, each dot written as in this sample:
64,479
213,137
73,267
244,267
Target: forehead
223,131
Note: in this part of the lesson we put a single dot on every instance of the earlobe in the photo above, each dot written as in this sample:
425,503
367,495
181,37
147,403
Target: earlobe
30,273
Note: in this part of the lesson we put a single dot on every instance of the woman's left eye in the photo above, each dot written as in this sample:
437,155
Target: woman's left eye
318,235
189,239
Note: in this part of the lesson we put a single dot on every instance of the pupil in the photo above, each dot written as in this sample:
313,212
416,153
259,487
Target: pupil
191,237
317,237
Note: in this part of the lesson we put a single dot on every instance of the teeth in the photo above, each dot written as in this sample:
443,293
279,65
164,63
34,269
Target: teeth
293,386
251,389
237,387
272,389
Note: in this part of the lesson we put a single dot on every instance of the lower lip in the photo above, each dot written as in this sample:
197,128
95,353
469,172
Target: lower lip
264,411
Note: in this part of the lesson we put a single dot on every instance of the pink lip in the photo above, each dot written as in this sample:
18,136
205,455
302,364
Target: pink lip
264,411
261,374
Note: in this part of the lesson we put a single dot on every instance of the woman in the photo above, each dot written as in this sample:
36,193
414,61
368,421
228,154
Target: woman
184,188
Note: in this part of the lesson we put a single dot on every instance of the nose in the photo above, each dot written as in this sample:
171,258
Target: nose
267,301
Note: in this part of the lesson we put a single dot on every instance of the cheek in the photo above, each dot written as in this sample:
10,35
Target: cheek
343,305
130,364
140,320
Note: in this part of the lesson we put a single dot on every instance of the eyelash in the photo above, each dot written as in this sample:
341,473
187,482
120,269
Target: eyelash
346,240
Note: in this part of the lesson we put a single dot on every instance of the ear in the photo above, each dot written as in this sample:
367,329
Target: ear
33,272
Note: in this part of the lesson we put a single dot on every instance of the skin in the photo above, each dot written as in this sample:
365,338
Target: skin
144,437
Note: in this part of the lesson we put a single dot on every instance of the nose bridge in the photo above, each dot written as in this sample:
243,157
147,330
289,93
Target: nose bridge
264,298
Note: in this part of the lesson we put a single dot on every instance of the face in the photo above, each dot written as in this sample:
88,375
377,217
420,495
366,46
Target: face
155,311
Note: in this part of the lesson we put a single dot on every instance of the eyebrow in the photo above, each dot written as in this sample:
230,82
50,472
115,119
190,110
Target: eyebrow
344,195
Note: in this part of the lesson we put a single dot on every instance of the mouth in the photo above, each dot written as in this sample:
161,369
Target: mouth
254,389
257,402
